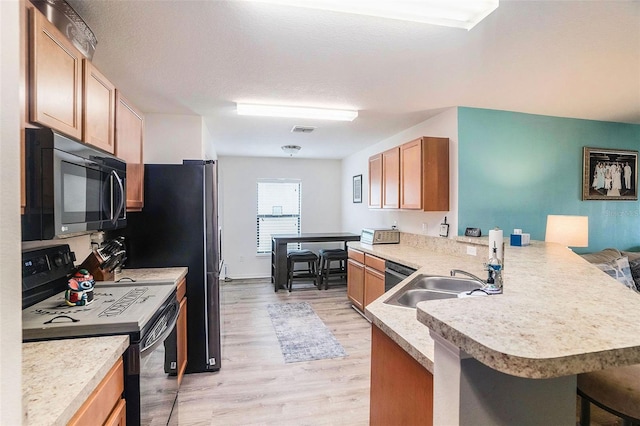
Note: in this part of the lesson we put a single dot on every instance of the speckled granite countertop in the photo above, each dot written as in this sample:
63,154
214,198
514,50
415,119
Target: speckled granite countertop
59,375
153,274
559,315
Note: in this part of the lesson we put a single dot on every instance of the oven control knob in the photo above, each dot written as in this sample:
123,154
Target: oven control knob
57,259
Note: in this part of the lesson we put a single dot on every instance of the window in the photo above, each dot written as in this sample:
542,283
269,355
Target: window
278,211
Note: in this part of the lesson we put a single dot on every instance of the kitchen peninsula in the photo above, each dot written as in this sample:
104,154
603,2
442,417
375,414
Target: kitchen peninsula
505,357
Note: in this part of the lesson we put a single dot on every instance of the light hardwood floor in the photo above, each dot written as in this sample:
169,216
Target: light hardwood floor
256,387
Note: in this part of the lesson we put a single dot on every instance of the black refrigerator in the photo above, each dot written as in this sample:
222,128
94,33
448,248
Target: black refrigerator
179,226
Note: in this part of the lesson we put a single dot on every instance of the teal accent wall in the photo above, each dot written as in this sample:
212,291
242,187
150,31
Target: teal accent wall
514,169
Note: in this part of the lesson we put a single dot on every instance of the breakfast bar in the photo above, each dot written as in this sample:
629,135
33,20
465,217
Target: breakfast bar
279,250
499,359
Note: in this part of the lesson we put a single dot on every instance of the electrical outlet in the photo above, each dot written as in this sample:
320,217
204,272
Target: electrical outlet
425,228
472,251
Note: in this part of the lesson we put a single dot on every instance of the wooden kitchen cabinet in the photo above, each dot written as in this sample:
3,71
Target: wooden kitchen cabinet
391,178
401,388
128,143
411,175
355,283
55,84
181,329
105,401
99,109
365,278
415,175
375,181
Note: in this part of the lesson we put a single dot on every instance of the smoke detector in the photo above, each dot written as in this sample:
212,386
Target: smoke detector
291,149
302,129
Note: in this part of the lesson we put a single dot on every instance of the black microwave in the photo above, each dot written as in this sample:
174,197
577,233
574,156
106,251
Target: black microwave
71,188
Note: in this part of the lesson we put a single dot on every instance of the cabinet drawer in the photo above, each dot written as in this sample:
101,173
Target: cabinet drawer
103,399
356,255
181,289
374,262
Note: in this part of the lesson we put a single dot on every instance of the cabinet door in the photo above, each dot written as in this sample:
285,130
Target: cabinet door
129,141
118,416
375,181
435,152
355,283
401,388
391,178
373,285
411,175
56,79
99,109
181,333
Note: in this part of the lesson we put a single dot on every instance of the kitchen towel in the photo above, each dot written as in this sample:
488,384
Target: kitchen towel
302,334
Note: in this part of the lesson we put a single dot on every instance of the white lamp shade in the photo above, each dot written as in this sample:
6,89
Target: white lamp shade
571,231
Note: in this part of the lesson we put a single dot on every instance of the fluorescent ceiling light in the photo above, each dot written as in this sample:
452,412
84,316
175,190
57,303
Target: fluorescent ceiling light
450,13
296,112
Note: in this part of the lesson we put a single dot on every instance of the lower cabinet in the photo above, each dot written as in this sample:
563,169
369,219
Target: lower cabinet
365,278
105,404
401,388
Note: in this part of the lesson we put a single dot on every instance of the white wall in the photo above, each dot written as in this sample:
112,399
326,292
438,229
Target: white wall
169,139
10,276
321,210
357,216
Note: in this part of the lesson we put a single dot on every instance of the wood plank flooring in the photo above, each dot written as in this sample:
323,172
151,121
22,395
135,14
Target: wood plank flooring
256,387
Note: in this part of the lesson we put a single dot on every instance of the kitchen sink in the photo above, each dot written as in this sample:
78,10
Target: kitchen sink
429,287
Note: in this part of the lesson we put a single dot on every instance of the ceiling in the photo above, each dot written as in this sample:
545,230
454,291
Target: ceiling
576,59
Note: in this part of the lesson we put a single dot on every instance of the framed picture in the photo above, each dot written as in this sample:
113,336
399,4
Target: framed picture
609,174
357,189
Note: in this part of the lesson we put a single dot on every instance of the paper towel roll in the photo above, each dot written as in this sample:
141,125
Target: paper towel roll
496,239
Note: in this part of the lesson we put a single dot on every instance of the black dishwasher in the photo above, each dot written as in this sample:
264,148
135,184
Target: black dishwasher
394,273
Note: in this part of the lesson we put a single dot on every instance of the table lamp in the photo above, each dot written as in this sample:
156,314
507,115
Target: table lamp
571,231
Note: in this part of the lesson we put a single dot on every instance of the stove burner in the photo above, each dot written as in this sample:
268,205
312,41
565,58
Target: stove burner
124,302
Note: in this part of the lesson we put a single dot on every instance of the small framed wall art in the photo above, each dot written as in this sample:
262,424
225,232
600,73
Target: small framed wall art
357,189
609,174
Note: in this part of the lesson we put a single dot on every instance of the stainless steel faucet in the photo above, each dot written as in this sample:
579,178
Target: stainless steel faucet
459,271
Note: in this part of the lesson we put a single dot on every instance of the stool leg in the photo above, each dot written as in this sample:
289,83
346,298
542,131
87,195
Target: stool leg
585,412
320,269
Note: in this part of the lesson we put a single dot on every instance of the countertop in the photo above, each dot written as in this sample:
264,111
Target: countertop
58,375
559,315
153,274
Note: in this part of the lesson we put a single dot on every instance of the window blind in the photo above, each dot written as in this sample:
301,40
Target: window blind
278,211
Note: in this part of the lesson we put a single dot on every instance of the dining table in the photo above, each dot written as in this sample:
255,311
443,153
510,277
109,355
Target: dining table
279,250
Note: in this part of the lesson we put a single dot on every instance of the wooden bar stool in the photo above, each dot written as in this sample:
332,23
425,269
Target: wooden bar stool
324,269
616,390
301,256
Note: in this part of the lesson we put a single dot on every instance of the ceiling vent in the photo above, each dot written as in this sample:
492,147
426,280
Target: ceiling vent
302,129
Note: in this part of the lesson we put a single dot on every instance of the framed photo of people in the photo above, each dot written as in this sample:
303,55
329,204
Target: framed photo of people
609,174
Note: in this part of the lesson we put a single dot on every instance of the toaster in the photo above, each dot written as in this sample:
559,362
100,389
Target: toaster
380,236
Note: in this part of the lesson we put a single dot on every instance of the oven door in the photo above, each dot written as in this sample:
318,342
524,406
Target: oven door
158,390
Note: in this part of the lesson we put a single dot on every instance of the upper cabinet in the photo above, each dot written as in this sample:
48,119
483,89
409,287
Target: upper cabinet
391,178
375,181
129,142
99,109
55,78
414,176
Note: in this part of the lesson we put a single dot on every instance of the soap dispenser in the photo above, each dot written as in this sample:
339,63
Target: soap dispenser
494,267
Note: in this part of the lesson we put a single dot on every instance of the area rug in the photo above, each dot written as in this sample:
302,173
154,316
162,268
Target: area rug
302,334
